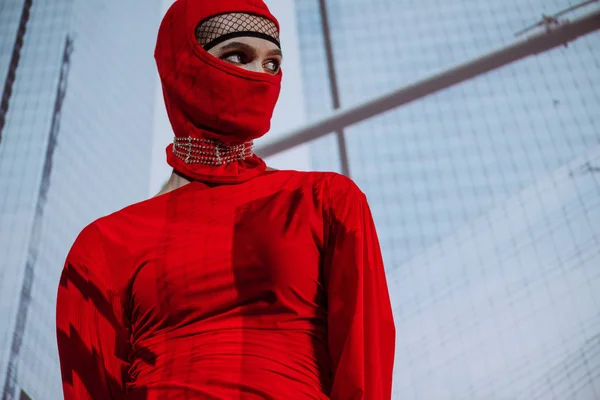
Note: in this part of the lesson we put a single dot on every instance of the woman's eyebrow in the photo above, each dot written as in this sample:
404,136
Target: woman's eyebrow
239,46
275,52
249,49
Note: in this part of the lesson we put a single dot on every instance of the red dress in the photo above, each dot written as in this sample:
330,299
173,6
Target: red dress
273,288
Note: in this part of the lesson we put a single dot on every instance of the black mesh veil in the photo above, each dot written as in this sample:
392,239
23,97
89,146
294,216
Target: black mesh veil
220,28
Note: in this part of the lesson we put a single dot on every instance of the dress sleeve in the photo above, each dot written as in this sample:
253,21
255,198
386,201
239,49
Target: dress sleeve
360,322
92,341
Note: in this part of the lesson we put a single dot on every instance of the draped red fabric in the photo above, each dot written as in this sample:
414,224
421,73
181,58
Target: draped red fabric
269,289
208,98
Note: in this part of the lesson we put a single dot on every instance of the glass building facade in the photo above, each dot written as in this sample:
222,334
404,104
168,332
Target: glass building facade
485,194
77,80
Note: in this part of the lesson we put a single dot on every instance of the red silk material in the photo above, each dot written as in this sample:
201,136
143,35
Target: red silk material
269,289
208,98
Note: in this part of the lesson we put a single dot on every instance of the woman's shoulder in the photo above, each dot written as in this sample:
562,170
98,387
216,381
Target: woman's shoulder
335,181
336,185
332,189
87,245
106,231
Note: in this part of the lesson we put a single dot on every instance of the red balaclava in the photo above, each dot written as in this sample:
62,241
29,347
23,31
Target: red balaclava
209,99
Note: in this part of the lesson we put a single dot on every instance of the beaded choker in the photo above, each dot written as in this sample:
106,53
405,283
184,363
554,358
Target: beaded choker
210,152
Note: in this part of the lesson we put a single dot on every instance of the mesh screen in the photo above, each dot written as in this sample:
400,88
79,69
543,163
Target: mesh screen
214,28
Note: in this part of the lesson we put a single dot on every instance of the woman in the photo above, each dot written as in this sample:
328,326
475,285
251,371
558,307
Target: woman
237,281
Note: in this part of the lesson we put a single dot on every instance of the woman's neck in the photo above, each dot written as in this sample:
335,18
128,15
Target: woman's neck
177,180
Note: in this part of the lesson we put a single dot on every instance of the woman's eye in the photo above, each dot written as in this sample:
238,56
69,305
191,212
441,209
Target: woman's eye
272,66
234,58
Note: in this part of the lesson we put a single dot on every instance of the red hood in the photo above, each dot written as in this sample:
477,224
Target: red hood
208,98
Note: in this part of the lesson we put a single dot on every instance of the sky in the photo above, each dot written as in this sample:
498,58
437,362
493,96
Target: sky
289,113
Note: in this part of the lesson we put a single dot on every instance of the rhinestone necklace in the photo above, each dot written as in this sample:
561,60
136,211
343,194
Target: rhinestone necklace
210,152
